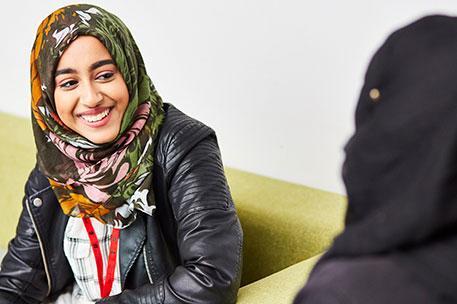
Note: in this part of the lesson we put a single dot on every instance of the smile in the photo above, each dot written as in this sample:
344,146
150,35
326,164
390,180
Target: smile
98,117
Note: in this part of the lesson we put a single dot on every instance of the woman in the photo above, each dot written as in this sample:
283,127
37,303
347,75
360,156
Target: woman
128,202
400,240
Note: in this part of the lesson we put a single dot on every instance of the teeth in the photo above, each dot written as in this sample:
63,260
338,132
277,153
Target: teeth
94,118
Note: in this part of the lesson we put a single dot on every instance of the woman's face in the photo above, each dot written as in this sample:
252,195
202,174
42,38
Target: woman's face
90,93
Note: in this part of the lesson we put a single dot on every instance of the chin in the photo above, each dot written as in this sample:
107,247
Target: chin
101,140
100,136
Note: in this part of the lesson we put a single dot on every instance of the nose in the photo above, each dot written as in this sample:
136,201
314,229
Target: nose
91,96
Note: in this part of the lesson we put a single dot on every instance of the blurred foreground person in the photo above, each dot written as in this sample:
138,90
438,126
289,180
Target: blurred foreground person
400,241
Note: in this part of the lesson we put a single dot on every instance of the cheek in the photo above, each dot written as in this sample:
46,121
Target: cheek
121,95
59,101
64,105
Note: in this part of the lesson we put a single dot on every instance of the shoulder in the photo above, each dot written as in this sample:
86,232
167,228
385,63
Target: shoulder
179,126
179,134
36,184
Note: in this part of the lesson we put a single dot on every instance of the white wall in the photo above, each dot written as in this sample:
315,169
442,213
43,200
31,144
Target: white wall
277,79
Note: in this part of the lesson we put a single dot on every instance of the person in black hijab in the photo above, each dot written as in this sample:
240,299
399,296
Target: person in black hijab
400,240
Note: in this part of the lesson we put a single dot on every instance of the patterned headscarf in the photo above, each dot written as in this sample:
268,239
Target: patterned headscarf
107,181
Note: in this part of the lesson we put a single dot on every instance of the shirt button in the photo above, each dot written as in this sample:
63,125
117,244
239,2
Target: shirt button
37,202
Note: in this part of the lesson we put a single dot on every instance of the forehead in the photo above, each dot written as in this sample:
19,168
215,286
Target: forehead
83,51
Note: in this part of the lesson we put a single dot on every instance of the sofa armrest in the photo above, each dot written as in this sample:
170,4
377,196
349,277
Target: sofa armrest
280,287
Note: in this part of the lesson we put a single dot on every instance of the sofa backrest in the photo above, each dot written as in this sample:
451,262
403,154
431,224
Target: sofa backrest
283,223
17,158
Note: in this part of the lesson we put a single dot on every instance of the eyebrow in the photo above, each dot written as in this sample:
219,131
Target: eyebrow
92,67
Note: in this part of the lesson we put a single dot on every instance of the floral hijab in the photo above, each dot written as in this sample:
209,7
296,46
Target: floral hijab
107,181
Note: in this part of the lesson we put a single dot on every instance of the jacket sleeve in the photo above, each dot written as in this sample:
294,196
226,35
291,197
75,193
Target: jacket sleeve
22,274
209,234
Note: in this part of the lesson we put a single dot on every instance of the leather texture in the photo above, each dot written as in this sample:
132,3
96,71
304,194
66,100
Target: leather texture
188,251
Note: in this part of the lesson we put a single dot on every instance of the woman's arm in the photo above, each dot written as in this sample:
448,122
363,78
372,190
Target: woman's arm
22,274
209,235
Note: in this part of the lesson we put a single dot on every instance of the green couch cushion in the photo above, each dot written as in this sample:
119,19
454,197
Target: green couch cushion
278,288
17,157
283,223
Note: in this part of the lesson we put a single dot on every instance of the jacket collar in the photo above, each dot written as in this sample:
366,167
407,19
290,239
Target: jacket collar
132,239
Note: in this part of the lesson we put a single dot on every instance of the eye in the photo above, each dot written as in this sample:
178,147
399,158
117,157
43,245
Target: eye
105,76
68,84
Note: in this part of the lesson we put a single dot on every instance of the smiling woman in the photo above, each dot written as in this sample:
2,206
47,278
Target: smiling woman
128,202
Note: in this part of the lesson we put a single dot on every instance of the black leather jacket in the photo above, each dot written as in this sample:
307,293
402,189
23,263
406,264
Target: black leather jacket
189,251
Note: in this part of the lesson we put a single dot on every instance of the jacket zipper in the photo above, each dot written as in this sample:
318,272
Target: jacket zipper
43,255
146,263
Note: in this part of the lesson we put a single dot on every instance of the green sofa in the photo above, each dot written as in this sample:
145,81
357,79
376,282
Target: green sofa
286,226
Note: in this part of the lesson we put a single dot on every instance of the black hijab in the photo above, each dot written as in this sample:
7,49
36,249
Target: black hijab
401,164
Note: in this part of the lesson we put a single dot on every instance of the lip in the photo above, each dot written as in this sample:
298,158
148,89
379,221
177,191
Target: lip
94,111
96,124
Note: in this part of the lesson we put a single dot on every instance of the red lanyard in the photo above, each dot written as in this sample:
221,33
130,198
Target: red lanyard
107,284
